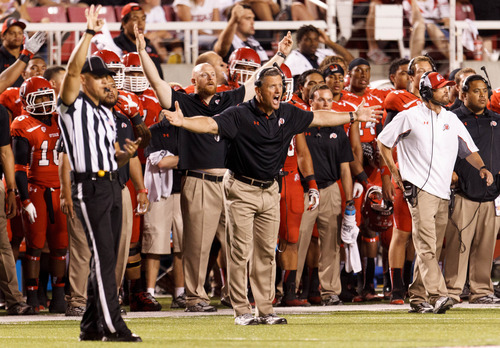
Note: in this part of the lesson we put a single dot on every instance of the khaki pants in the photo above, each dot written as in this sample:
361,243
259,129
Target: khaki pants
202,207
124,246
253,223
328,218
429,219
8,275
478,238
79,258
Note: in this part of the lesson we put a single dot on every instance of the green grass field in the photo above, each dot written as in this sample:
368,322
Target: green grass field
345,328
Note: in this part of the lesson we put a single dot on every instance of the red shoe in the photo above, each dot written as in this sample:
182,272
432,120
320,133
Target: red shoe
295,303
314,300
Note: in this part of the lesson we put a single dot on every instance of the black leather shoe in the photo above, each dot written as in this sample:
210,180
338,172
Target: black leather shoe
90,336
20,308
122,337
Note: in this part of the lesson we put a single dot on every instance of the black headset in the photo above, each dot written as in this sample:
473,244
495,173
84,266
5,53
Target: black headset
260,75
426,92
411,72
476,77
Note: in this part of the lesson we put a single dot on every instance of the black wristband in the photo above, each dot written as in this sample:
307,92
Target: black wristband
351,116
12,190
349,202
90,31
309,178
483,167
361,177
136,120
281,54
24,58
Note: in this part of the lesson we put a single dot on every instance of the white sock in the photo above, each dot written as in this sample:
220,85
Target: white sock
178,291
151,291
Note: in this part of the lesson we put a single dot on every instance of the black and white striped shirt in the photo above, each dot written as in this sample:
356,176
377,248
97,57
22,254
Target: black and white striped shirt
89,134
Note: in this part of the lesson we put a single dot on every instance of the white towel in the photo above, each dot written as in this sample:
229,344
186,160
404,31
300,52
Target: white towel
158,181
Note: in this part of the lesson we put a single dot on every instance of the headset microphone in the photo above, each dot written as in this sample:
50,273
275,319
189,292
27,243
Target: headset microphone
483,68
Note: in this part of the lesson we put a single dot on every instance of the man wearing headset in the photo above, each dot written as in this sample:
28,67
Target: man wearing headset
472,227
429,138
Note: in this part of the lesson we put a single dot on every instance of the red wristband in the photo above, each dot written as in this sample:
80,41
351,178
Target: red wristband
144,190
312,184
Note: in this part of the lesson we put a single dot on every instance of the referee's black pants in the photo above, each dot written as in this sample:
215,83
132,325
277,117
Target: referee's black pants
98,205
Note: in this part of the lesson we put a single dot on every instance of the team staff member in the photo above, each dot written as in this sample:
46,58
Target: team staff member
259,133
439,136
89,134
474,214
331,153
201,159
8,209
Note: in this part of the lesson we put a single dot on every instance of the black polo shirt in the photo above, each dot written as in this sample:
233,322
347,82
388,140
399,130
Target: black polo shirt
128,46
329,147
124,131
204,151
257,143
6,60
164,137
485,131
4,131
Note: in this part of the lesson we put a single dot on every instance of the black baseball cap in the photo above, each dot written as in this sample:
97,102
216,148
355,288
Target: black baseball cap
333,69
11,21
358,61
96,66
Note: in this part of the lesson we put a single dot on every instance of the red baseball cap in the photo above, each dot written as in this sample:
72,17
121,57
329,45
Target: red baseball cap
133,6
9,22
435,80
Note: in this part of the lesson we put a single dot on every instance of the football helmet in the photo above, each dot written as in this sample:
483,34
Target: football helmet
33,88
243,63
377,213
287,94
134,83
114,63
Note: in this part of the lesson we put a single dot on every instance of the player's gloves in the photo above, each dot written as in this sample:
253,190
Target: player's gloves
357,190
33,44
128,106
29,209
313,192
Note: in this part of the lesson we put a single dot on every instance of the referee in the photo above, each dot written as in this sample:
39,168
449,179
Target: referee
89,134
259,133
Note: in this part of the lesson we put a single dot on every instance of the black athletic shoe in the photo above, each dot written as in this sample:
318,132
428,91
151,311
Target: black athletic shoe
90,336
20,308
121,337
442,305
422,307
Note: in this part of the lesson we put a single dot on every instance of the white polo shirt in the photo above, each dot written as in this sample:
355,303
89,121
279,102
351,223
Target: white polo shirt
411,130
298,63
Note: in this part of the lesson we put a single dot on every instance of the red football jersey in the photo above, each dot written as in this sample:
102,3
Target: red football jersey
291,158
381,93
367,130
401,100
151,105
42,138
12,101
220,88
494,103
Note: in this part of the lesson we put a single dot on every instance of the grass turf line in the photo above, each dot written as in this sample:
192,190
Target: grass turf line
458,327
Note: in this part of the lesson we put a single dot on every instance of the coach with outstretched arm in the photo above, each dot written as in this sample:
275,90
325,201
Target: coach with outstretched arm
258,133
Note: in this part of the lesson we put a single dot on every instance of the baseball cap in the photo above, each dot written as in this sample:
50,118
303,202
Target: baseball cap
453,74
9,22
133,6
333,69
95,65
358,61
435,80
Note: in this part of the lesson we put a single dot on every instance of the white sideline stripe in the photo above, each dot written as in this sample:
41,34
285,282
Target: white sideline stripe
100,285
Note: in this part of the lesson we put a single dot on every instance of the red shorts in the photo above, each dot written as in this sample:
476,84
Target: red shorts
56,234
136,225
402,216
291,207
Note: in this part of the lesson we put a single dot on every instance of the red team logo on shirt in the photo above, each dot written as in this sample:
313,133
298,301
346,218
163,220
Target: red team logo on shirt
446,127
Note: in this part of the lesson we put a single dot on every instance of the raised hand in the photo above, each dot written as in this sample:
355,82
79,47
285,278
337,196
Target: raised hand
285,45
140,42
176,118
92,14
34,43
